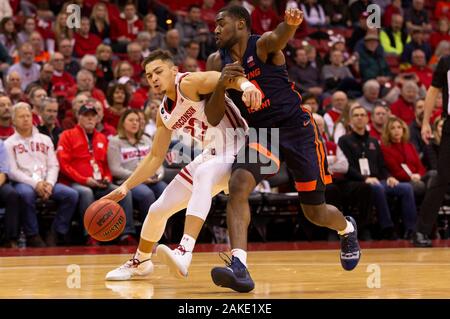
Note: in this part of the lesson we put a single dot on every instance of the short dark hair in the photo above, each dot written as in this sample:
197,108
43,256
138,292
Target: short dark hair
158,54
238,12
113,88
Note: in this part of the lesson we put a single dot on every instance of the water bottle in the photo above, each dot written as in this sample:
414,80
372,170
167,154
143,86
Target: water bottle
22,242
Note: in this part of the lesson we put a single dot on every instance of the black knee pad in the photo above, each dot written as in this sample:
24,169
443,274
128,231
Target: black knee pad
312,198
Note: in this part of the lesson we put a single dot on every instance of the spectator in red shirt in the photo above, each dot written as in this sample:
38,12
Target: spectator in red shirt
85,83
404,106
85,42
420,68
6,128
125,29
193,51
71,118
141,94
442,33
442,9
101,126
264,18
394,8
59,74
82,155
118,98
400,156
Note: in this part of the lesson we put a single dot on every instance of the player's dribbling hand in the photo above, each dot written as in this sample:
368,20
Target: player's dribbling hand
252,98
118,194
230,73
293,16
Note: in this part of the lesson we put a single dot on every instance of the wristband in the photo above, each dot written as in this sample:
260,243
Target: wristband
246,85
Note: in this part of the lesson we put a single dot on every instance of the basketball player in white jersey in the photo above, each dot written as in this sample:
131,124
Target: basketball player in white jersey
196,184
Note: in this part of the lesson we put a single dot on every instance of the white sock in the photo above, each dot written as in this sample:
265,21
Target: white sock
188,242
241,254
141,256
348,229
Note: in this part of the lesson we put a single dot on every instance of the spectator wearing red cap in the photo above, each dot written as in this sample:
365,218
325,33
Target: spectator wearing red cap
60,75
82,154
85,42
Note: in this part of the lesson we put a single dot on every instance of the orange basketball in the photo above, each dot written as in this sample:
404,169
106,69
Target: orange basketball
104,220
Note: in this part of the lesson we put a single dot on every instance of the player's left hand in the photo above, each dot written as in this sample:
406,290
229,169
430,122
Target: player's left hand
252,98
293,17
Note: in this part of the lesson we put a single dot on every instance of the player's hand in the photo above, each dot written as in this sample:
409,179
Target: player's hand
118,194
230,72
252,98
427,134
392,182
293,17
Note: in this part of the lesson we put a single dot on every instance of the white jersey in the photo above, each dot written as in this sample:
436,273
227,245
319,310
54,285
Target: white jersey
189,116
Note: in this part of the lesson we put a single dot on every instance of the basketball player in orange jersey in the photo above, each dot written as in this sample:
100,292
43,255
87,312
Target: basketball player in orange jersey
183,109
299,144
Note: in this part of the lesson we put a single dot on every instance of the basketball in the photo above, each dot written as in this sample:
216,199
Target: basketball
104,220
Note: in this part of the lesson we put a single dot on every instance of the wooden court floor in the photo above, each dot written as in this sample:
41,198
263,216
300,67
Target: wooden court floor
382,273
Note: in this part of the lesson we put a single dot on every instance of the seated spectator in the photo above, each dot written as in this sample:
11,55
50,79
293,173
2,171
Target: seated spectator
125,29
37,94
85,83
311,102
134,51
415,128
49,114
313,13
9,200
417,43
26,68
442,10
394,37
372,63
101,126
85,42
356,9
118,98
151,110
172,43
29,26
339,101
337,13
60,28
337,76
6,128
105,73
420,68
371,92
190,65
34,169
401,157
264,18
45,78
100,22
366,164
192,27
359,31
416,17
193,51
82,154
442,33
40,54
13,87
342,125
123,69
208,13
140,94
125,152
60,75
71,116
404,106
151,26
306,77
71,64
144,39
8,35
393,8
380,116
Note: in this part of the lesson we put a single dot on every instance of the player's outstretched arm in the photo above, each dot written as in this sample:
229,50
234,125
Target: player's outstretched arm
149,165
277,39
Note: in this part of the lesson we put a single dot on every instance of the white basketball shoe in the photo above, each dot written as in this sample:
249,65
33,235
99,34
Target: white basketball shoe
178,259
132,268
